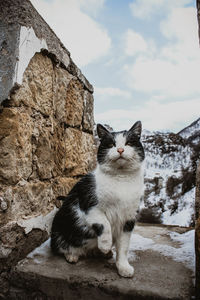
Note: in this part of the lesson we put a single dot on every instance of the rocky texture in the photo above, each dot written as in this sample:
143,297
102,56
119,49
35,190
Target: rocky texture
36,146
157,275
197,231
40,148
15,14
46,129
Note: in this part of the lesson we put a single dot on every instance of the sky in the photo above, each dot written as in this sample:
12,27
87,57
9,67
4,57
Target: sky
141,56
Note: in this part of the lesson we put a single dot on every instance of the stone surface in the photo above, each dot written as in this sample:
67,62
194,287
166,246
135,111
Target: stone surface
26,200
197,233
15,244
13,15
62,186
157,276
15,145
37,86
62,79
42,147
80,158
88,117
37,143
74,103
46,130
9,41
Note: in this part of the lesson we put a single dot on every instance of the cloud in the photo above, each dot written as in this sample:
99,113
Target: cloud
154,115
173,69
134,43
86,39
164,77
144,9
92,7
181,27
111,92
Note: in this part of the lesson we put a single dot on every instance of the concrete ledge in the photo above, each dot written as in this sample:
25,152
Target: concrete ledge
162,257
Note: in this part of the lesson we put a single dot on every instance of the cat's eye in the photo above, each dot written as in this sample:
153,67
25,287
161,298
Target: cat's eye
110,145
129,144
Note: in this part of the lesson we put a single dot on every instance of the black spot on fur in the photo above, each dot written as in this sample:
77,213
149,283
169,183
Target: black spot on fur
107,142
129,225
98,228
134,141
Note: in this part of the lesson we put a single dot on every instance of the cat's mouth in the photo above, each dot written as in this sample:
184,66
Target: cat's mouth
120,158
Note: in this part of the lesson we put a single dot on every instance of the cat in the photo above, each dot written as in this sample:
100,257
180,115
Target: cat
100,210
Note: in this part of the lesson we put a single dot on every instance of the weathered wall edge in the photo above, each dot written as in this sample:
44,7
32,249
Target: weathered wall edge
12,30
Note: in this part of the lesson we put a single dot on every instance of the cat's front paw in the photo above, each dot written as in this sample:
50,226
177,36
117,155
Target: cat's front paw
105,245
71,258
125,270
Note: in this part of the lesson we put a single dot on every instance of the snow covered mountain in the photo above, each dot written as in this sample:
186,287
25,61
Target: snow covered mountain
192,132
170,175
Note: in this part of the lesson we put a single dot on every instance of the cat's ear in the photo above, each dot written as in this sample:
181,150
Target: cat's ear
101,131
136,129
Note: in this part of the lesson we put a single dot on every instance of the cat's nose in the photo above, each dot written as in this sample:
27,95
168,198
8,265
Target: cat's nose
120,150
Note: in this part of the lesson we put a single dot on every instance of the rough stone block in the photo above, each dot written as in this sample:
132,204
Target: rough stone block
15,145
15,244
88,117
59,150
9,38
44,155
36,90
62,186
74,103
27,199
69,99
79,152
62,79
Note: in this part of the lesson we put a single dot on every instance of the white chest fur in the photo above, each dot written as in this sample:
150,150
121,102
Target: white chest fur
119,195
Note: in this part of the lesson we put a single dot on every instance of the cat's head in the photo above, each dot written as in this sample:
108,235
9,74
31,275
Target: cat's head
120,150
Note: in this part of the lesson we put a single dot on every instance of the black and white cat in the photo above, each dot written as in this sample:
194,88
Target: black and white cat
100,210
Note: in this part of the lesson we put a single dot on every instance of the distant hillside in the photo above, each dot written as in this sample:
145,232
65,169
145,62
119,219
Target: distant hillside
169,179
191,132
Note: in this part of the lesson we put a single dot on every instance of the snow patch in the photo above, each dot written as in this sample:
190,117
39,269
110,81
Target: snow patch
184,213
185,253
29,44
41,252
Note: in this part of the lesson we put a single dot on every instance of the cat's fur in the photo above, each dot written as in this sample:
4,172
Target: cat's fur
100,210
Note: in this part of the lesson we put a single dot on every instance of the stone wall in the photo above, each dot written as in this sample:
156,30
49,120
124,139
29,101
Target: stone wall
46,128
